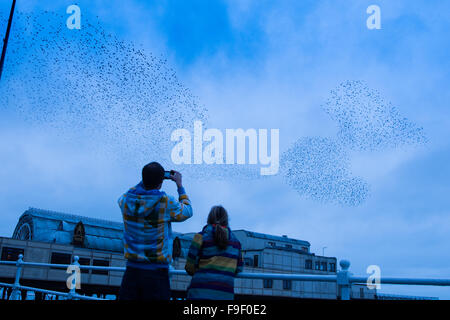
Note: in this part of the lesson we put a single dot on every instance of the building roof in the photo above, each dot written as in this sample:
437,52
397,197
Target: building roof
57,227
95,222
264,236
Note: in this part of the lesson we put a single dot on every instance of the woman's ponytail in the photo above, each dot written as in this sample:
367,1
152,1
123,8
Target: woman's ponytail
221,237
218,217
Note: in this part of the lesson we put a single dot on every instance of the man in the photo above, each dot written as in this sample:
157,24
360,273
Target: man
147,216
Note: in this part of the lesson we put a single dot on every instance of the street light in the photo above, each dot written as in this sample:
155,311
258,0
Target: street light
323,251
5,40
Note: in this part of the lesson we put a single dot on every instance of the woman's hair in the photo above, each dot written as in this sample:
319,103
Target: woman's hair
218,216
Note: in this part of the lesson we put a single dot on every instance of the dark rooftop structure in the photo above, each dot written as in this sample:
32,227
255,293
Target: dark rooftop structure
56,227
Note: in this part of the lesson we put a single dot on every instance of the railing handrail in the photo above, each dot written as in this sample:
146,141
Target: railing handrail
57,293
406,281
343,278
257,275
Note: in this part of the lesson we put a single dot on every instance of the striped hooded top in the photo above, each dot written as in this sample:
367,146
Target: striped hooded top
213,270
147,217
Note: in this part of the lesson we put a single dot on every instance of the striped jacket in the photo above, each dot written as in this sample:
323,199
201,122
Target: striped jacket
213,270
147,217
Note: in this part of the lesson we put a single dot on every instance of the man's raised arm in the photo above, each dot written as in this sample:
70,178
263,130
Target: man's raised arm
179,210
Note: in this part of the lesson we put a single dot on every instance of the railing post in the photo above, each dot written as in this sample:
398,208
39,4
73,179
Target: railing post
343,280
171,268
16,294
75,277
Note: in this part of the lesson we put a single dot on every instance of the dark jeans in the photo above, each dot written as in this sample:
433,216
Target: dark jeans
140,284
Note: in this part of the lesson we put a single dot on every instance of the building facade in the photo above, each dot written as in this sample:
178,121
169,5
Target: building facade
53,237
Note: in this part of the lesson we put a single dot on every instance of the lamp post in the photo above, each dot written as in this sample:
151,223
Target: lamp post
5,40
323,251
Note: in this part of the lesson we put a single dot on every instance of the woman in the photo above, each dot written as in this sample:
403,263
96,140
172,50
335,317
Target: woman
214,259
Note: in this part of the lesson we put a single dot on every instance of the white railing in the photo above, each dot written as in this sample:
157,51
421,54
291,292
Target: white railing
344,278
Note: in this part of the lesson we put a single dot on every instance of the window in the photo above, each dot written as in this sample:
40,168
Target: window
24,232
333,267
323,266
84,262
100,263
287,284
361,293
317,265
308,264
271,244
248,262
255,261
289,246
78,235
60,258
268,283
11,254
176,248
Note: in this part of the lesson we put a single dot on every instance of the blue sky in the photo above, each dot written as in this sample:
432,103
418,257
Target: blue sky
272,64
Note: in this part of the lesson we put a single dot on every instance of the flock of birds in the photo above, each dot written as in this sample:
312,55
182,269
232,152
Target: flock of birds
90,81
320,167
367,122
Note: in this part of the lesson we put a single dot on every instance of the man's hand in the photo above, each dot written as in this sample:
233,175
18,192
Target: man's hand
176,176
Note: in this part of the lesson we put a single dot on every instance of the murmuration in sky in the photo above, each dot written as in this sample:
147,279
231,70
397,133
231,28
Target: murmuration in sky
319,168
89,85
367,122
